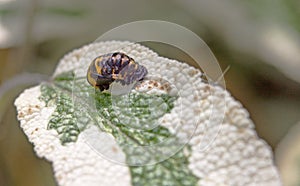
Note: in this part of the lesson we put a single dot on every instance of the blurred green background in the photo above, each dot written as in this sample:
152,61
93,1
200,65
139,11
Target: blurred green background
259,40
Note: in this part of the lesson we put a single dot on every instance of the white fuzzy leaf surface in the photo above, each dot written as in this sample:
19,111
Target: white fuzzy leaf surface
226,153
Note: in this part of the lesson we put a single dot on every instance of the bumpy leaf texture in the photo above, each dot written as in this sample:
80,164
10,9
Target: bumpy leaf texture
123,116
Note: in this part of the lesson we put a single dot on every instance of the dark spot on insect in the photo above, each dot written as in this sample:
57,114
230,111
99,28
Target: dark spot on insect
111,67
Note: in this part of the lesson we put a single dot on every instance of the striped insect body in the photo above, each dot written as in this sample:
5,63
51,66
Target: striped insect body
111,67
